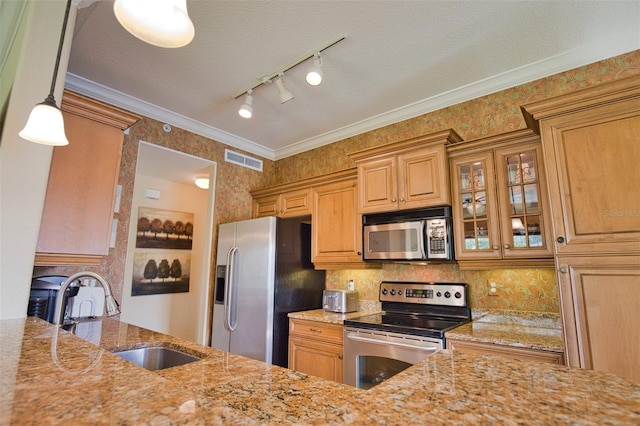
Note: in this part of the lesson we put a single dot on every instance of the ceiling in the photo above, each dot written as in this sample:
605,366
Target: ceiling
400,59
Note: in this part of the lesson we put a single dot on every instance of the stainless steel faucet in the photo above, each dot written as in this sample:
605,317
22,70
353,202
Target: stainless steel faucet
111,306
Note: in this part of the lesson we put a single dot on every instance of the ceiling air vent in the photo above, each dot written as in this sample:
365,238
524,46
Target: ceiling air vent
242,160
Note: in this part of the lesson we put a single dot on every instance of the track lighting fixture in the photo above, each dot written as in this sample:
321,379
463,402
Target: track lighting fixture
314,76
284,94
162,23
45,124
246,110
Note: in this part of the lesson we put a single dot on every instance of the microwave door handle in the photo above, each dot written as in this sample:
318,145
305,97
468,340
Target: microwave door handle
228,288
353,336
422,241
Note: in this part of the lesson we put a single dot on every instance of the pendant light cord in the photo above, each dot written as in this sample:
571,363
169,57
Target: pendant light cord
55,69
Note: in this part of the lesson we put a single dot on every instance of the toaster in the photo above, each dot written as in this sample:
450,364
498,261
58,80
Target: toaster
341,301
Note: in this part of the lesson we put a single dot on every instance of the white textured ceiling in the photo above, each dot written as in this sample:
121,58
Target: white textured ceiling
401,59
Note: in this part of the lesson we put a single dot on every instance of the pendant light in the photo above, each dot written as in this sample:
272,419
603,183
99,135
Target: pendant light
45,124
162,23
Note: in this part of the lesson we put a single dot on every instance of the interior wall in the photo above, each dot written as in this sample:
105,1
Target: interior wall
24,165
176,314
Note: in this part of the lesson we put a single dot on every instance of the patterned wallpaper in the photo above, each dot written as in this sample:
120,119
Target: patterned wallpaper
492,114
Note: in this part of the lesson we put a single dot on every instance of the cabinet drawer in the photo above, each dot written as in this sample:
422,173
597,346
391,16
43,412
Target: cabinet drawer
316,330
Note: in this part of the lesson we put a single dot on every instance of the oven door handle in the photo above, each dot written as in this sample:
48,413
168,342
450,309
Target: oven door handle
353,336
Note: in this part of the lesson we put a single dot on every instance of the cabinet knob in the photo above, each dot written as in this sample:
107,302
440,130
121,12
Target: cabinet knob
394,199
560,239
495,247
564,269
402,199
340,356
506,246
359,253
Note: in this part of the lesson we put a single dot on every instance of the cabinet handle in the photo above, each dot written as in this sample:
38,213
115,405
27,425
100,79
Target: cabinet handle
495,247
359,253
340,356
560,240
402,199
315,330
506,246
394,199
563,269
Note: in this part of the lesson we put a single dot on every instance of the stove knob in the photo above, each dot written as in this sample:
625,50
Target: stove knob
393,292
399,292
447,294
458,295
384,291
439,294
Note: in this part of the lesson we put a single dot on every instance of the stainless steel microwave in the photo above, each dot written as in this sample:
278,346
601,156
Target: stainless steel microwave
418,235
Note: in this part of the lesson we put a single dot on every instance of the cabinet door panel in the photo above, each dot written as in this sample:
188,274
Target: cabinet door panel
378,182
477,232
336,227
266,206
423,178
600,299
594,181
296,203
316,358
525,214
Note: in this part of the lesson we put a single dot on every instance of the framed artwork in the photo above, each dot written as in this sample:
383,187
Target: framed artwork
164,229
160,271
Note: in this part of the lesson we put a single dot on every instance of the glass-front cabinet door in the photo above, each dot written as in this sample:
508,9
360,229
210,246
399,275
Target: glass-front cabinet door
523,197
477,232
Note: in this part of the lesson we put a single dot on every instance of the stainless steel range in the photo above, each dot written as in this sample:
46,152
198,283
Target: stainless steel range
411,327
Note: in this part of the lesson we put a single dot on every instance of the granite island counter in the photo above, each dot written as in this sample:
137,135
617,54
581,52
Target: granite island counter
50,376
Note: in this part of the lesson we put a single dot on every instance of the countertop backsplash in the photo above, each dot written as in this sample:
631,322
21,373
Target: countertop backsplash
517,289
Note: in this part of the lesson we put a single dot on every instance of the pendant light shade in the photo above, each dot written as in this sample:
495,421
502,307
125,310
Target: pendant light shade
314,76
45,125
283,93
162,23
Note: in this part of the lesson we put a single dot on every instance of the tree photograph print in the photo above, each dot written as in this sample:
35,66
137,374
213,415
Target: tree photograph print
164,229
160,272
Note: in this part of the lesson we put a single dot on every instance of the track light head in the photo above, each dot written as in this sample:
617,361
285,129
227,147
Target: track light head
283,93
314,76
246,110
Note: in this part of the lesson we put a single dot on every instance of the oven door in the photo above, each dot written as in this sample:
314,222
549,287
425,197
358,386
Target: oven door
371,357
394,241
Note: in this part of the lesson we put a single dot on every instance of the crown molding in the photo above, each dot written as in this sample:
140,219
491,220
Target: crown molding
613,46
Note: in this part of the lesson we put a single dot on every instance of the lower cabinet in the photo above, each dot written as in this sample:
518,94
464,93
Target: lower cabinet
506,351
601,312
315,348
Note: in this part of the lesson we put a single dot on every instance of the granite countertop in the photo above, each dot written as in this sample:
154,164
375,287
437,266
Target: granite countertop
365,307
530,330
50,376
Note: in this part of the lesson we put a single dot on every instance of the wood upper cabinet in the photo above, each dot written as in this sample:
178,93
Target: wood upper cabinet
81,192
404,175
600,300
500,210
591,143
336,226
316,348
286,204
524,354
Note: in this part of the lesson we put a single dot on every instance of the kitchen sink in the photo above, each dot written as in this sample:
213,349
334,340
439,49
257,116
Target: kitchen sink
156,357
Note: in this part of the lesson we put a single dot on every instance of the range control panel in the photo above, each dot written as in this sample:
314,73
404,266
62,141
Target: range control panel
447,294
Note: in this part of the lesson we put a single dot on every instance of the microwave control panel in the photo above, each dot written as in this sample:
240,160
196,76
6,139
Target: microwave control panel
446,294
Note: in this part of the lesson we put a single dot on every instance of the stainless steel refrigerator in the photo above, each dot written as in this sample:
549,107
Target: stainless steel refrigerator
263,272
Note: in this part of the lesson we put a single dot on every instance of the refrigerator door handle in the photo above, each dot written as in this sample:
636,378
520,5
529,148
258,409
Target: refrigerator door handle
228,289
